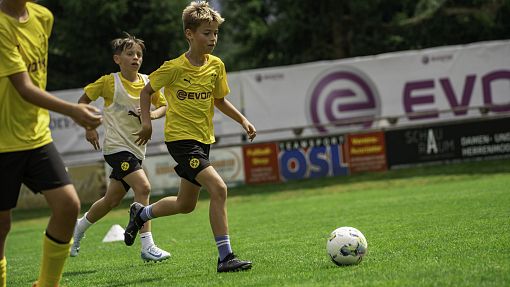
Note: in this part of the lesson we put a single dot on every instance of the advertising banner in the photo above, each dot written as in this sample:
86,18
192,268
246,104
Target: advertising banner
261,163
411,87
228,162
485,139
312,157
366,152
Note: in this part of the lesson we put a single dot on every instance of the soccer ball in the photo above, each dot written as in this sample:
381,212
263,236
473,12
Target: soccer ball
346,246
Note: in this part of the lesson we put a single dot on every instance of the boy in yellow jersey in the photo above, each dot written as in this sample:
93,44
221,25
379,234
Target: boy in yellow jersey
27,154
121,94
194,84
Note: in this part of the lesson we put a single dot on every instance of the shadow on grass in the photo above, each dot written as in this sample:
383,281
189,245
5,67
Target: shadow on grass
464,168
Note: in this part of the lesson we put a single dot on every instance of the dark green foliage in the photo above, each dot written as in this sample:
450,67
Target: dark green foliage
264,33
80,44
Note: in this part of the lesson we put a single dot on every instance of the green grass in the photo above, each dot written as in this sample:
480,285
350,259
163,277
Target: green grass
431,226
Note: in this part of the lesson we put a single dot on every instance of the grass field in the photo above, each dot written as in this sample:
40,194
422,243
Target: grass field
431,226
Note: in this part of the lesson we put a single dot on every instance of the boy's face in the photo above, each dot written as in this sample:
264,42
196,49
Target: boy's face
204,39
130,59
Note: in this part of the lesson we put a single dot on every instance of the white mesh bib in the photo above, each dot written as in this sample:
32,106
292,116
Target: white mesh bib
121,119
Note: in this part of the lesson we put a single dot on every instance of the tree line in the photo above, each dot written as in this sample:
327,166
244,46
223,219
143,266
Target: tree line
264,33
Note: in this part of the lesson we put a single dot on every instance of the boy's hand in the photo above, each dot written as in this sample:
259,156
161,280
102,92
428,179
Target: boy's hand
250,130
86,116
144,134
93,138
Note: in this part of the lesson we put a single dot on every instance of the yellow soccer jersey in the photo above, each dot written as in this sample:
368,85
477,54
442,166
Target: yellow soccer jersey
23,47
104,87
190,93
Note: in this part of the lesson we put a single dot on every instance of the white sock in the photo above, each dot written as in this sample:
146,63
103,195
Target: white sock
146,239
83,224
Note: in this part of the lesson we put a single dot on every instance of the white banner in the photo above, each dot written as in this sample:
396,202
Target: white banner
414,87
411,87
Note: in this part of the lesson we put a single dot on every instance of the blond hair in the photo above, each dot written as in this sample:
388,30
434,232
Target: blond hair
198,12
121,44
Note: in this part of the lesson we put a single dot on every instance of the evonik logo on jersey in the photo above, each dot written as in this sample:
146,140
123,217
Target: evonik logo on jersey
340,97
183,95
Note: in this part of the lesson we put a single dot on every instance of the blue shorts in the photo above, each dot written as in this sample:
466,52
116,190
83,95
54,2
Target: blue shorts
191,156
39,169
122,164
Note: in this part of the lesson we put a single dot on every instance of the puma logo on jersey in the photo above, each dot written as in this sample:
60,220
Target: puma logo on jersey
131,113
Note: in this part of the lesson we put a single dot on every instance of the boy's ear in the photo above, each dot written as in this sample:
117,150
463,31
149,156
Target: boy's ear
116,59
188,34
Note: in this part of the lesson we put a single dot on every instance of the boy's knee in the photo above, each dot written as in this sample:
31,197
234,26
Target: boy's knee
113,202
143,189
219,192
70,208
188,208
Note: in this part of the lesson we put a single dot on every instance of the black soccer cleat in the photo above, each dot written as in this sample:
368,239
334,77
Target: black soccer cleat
135,223
232,264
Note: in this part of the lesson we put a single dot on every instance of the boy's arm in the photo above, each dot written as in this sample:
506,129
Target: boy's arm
84,115
90,134
84,99
145,133
228,109
158,112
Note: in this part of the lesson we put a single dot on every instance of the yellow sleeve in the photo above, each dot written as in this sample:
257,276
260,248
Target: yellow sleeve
221,88
102,87
158,99
49,27
11,62
43,14
163,76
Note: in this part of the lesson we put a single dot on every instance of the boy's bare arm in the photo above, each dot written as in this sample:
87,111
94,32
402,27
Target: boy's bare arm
228,109
84,115
91,134
145,133
84,99
158,113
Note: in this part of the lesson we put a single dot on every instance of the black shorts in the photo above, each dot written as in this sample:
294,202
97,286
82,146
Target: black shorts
191,156
123,163
39,169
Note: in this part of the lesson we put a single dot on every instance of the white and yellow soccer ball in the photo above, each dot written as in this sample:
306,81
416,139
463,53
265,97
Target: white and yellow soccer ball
346,246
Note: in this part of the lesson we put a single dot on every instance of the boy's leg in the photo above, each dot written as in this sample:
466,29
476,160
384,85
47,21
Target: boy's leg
217,189
5,226
98,210
12,167
139,182
184,202
113,196
65,207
